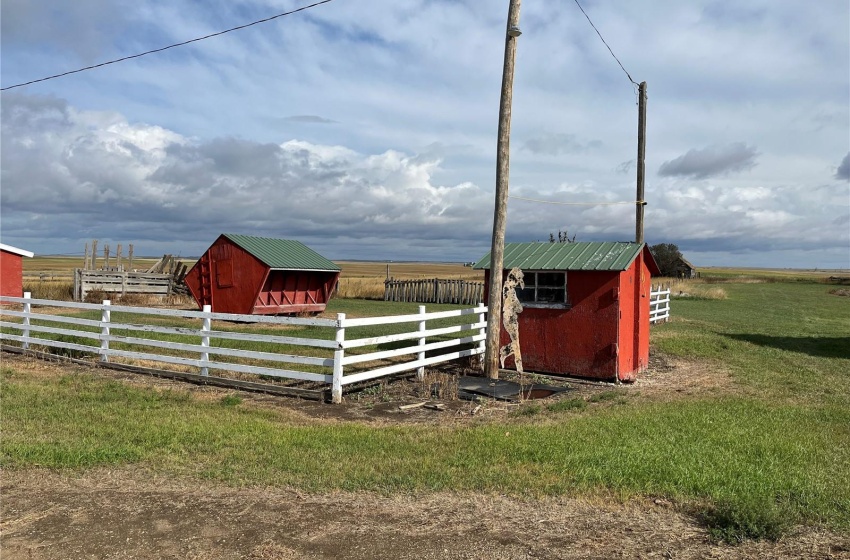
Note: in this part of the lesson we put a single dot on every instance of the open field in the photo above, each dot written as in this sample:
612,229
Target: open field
64,266
745,435
51,277
771,274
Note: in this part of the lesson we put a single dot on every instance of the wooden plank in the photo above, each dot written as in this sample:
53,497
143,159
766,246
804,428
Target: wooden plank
52,343
374,356
52,330
257,370
389,370
315,394
356,343
392,319
232,352
51,318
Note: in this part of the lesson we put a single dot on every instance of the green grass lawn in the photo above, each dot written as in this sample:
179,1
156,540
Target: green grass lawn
773,451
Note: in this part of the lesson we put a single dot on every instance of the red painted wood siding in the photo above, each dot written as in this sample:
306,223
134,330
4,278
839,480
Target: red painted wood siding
11,274
603,335
241,283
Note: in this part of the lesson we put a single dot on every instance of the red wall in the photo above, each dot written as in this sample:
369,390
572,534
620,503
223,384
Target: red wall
600,336
11,274
241,283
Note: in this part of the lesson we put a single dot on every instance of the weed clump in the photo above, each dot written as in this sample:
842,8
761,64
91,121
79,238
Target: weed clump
734,521
231,400
575,404
528,410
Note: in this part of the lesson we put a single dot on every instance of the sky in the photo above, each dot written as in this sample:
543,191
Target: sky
367,130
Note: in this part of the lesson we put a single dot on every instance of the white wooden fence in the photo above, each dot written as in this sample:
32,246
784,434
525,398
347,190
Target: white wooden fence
659,304
469,340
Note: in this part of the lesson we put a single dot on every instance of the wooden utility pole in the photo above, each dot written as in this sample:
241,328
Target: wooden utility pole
497,249
641,156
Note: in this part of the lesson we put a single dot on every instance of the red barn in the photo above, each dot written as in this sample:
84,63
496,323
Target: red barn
12,270
585,307
261,276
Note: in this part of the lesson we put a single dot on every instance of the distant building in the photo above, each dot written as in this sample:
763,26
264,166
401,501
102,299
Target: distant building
684,269
262,276
12,270
585,307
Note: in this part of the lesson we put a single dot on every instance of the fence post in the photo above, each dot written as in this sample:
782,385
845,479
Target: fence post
205,340
339,354
105,317
482,318
25,331
420,373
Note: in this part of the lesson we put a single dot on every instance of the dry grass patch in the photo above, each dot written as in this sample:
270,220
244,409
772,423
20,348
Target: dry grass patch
696,288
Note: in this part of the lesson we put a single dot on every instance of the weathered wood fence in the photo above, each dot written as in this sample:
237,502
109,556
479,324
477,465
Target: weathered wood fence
123,333
119,282
434,290
659,304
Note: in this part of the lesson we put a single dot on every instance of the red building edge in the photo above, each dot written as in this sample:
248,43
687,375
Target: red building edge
603,332
231,279
12,270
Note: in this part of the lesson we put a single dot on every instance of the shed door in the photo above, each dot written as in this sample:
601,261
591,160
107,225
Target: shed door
224,273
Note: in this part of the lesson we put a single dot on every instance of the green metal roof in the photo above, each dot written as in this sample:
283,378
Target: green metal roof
282,253
583,255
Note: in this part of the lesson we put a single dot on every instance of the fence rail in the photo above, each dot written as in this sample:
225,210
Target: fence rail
434,290
659,304
120,282
134,338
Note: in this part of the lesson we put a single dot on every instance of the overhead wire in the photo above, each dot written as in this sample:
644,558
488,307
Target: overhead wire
605,42
195,40
575,203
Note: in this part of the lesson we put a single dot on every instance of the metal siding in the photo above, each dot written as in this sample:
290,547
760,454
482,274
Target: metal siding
282,253
589,255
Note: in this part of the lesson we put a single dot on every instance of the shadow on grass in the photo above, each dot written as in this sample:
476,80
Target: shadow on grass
822,346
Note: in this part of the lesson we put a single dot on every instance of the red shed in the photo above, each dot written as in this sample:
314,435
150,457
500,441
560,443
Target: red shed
261,276
12,270
585,307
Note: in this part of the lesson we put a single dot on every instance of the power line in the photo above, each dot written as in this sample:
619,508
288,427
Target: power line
169,46
573,203
603,40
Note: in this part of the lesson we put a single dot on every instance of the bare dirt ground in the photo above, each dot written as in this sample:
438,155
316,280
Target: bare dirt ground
131,513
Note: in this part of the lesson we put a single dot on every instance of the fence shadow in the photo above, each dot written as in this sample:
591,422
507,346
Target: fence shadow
821,346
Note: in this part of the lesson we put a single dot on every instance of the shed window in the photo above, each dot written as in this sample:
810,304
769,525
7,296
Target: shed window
544,289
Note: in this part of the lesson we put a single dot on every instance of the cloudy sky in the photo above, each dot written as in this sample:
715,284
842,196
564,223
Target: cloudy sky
367,129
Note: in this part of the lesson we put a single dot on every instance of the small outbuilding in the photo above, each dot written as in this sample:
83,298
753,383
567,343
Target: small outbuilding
262,276
12,270
684,269
585,307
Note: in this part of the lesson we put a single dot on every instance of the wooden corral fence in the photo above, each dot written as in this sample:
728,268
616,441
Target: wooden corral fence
164,278
659,304
124,334
434,290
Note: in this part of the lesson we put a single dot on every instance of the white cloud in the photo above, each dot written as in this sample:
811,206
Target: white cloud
237,130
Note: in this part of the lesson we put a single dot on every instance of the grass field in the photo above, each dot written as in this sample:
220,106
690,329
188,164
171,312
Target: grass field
769,450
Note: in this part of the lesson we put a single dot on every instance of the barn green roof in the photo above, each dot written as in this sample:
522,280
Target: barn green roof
583,255
286,254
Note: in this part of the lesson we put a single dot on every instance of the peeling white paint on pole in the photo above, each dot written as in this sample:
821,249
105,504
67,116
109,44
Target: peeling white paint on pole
511,308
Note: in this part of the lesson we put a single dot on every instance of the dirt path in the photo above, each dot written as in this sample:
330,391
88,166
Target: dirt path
131,514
